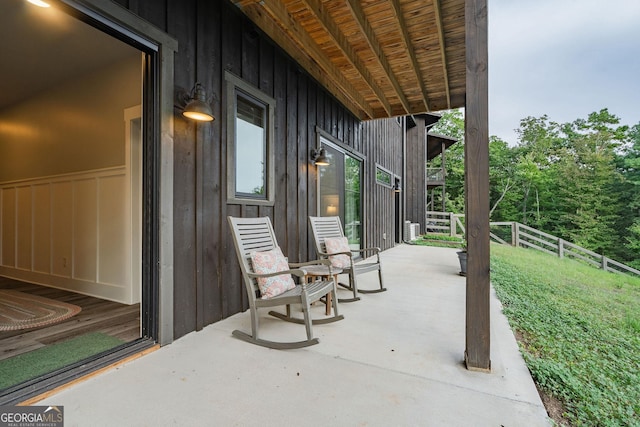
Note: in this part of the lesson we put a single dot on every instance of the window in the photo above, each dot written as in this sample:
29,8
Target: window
340,190
383,176
250,148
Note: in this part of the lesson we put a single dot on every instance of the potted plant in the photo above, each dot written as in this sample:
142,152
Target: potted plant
462,256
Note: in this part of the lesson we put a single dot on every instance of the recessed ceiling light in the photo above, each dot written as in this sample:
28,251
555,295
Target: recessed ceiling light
39,3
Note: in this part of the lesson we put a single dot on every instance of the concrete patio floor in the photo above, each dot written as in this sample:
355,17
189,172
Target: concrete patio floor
395,360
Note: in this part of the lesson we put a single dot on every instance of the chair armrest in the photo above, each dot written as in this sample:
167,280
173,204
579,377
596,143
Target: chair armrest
314,262
349,254
373,249
294,272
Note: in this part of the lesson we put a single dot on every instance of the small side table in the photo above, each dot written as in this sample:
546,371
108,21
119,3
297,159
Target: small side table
314,272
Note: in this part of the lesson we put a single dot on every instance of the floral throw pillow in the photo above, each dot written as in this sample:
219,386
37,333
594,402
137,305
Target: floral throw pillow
271,262
336,245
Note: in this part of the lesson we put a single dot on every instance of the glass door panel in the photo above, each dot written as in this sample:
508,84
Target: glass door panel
352,209
340,192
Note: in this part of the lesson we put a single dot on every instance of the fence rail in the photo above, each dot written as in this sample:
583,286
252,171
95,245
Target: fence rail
520,235
444,222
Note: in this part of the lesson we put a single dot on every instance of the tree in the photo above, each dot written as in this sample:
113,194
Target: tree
452,125
629,219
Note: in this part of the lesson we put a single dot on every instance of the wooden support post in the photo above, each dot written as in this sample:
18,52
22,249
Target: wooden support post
514,231
444,176
604,263
476,157
560,248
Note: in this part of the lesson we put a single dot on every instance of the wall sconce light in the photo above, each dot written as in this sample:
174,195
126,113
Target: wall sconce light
196,107
332,209
319,157
396,187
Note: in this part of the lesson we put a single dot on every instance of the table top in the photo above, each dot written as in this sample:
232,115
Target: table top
320,270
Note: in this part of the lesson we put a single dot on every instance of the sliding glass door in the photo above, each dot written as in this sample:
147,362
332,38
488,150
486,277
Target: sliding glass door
341,191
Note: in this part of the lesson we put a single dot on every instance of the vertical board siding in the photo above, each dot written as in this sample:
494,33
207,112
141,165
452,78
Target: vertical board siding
181,17
210,72
415,185
382,144
215,37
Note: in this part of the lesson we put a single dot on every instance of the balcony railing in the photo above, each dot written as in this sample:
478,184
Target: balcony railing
435,174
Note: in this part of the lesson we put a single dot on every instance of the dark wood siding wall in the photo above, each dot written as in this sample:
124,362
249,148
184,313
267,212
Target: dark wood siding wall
415,185
382,144
214,36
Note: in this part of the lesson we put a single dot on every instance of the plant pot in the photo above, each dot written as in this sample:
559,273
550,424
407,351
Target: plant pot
462,257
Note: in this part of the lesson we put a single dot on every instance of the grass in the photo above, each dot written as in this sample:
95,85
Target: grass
49,358
580,332
439,240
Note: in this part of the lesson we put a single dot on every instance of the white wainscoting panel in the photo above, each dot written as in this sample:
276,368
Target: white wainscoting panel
8,227
71,232
42,228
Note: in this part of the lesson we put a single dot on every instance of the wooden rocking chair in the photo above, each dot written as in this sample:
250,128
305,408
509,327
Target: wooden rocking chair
324,227
256,234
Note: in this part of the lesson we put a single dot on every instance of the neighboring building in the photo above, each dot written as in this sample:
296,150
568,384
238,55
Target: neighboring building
106,190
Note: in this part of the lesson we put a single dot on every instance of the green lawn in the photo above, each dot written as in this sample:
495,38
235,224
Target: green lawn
579,329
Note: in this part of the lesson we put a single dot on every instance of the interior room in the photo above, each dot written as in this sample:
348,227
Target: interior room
70,186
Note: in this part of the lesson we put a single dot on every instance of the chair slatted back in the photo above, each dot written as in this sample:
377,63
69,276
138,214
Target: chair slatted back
251,235
324,227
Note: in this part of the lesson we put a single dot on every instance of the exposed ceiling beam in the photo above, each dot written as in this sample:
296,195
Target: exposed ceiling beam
411,51
443,53
367,31
340,40
297,42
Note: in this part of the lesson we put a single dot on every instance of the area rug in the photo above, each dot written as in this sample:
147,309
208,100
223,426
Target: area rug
19,310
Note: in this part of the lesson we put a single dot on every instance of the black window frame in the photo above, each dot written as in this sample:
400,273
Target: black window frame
235,88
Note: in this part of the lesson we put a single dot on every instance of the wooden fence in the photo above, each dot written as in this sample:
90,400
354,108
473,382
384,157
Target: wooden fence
444,222
520,235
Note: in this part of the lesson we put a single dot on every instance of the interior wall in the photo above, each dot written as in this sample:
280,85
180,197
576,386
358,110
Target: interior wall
63,129
65,192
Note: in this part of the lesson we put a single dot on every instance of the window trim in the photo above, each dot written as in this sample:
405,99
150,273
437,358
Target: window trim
234,85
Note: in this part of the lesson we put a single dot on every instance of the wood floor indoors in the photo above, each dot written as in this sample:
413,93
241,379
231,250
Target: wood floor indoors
97,315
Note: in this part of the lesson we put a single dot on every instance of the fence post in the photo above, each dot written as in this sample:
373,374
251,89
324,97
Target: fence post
604,263
513,234
452,224
517,234
560,248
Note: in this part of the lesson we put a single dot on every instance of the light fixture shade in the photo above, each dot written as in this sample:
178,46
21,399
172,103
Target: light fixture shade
320,157
197,108
397,188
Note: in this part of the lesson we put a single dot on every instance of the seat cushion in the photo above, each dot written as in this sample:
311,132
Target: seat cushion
271,262
336,245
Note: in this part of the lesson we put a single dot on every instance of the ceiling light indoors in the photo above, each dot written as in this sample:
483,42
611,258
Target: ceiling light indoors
39,3
197,107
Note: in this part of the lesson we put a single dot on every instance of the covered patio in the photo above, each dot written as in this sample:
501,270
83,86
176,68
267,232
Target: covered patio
396,359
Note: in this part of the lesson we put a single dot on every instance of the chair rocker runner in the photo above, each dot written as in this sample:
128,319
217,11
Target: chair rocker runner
255,235
330,227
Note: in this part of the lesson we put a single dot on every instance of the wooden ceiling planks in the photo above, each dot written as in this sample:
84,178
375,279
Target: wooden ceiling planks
380,58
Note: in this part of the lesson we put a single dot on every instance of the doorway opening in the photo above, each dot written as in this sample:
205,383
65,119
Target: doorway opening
72,152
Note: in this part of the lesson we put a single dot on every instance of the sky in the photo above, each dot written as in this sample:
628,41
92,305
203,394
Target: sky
562,58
